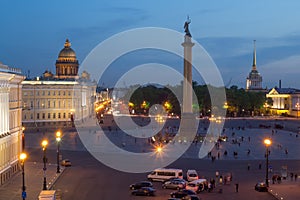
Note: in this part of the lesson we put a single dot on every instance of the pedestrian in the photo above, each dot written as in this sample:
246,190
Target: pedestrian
236,187
296,176
218,155
292,175
248,167
259,165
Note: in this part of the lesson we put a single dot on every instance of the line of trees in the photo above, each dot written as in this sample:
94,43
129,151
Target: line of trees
238,101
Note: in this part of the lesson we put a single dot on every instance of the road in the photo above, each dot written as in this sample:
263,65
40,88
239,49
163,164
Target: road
90,179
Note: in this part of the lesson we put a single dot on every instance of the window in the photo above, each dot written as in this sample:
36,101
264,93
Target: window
54,115
64,93
48,103
49,116
43,93
38,115
31,104
58,115
38,104
69,93
48,93
64,115
25,93
54,104
25,116
37,93
43,115
58,93
31,116
58,104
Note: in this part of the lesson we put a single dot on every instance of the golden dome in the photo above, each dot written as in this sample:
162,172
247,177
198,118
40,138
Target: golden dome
67,51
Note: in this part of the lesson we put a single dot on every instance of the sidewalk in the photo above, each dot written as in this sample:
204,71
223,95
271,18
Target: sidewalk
12,190
286,190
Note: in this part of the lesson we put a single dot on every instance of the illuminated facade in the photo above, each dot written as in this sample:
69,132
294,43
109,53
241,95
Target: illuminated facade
61,97
254,79
286,101
10,121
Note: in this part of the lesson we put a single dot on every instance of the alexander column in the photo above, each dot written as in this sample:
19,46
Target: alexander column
188,119
187,82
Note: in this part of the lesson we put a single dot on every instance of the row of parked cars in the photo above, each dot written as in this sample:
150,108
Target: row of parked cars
171,179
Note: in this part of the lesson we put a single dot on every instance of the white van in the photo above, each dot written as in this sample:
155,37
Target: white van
191,175
163,174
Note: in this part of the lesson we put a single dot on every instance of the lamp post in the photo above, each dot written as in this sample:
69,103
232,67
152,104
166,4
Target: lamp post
267,142
58,139
23,156
23,138
44,145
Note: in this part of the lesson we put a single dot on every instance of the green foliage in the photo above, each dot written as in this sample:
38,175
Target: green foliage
239,101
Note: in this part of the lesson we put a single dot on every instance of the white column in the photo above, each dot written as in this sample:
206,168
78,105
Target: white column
1,114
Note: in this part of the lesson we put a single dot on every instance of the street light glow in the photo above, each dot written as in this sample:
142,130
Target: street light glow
267,142
159,149
58,134
44,143
23,156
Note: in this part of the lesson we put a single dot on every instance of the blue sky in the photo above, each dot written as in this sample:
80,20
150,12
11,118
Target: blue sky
33,32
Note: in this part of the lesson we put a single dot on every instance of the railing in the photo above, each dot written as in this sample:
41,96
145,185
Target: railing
5,68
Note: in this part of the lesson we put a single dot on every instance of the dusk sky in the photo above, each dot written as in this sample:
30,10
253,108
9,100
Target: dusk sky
33,32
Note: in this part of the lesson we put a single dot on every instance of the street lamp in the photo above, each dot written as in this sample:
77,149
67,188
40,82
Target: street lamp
58,139
267,142
44,145
23,138
23,156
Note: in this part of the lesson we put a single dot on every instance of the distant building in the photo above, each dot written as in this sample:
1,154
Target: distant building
61,97
10,121
286,101
254,79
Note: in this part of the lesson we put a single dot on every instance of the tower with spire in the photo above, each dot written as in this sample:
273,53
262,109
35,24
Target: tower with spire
254,79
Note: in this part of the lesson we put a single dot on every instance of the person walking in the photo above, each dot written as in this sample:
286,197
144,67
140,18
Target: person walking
236,187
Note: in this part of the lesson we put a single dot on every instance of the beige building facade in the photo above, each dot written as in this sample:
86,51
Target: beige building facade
10,121
62,97
286,101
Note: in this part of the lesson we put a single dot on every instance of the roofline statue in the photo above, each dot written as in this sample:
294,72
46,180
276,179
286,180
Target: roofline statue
186,27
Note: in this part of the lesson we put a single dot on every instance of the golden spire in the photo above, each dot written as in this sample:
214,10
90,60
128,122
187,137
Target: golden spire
67,43
254,56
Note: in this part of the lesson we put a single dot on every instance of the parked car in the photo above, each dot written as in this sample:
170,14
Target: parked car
197,185
66,163
175,179
182,193
144,191
174,184
191,175
140,184
261,187
191,197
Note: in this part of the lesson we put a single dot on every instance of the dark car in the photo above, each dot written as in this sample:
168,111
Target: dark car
182,193
261,187
191,197
140,184
144,191
174,184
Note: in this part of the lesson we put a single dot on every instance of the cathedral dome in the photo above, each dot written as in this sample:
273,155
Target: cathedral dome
67,64
67,51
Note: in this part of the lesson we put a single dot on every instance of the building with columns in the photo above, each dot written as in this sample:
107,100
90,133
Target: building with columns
254,79
286,101
60,97
10,121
